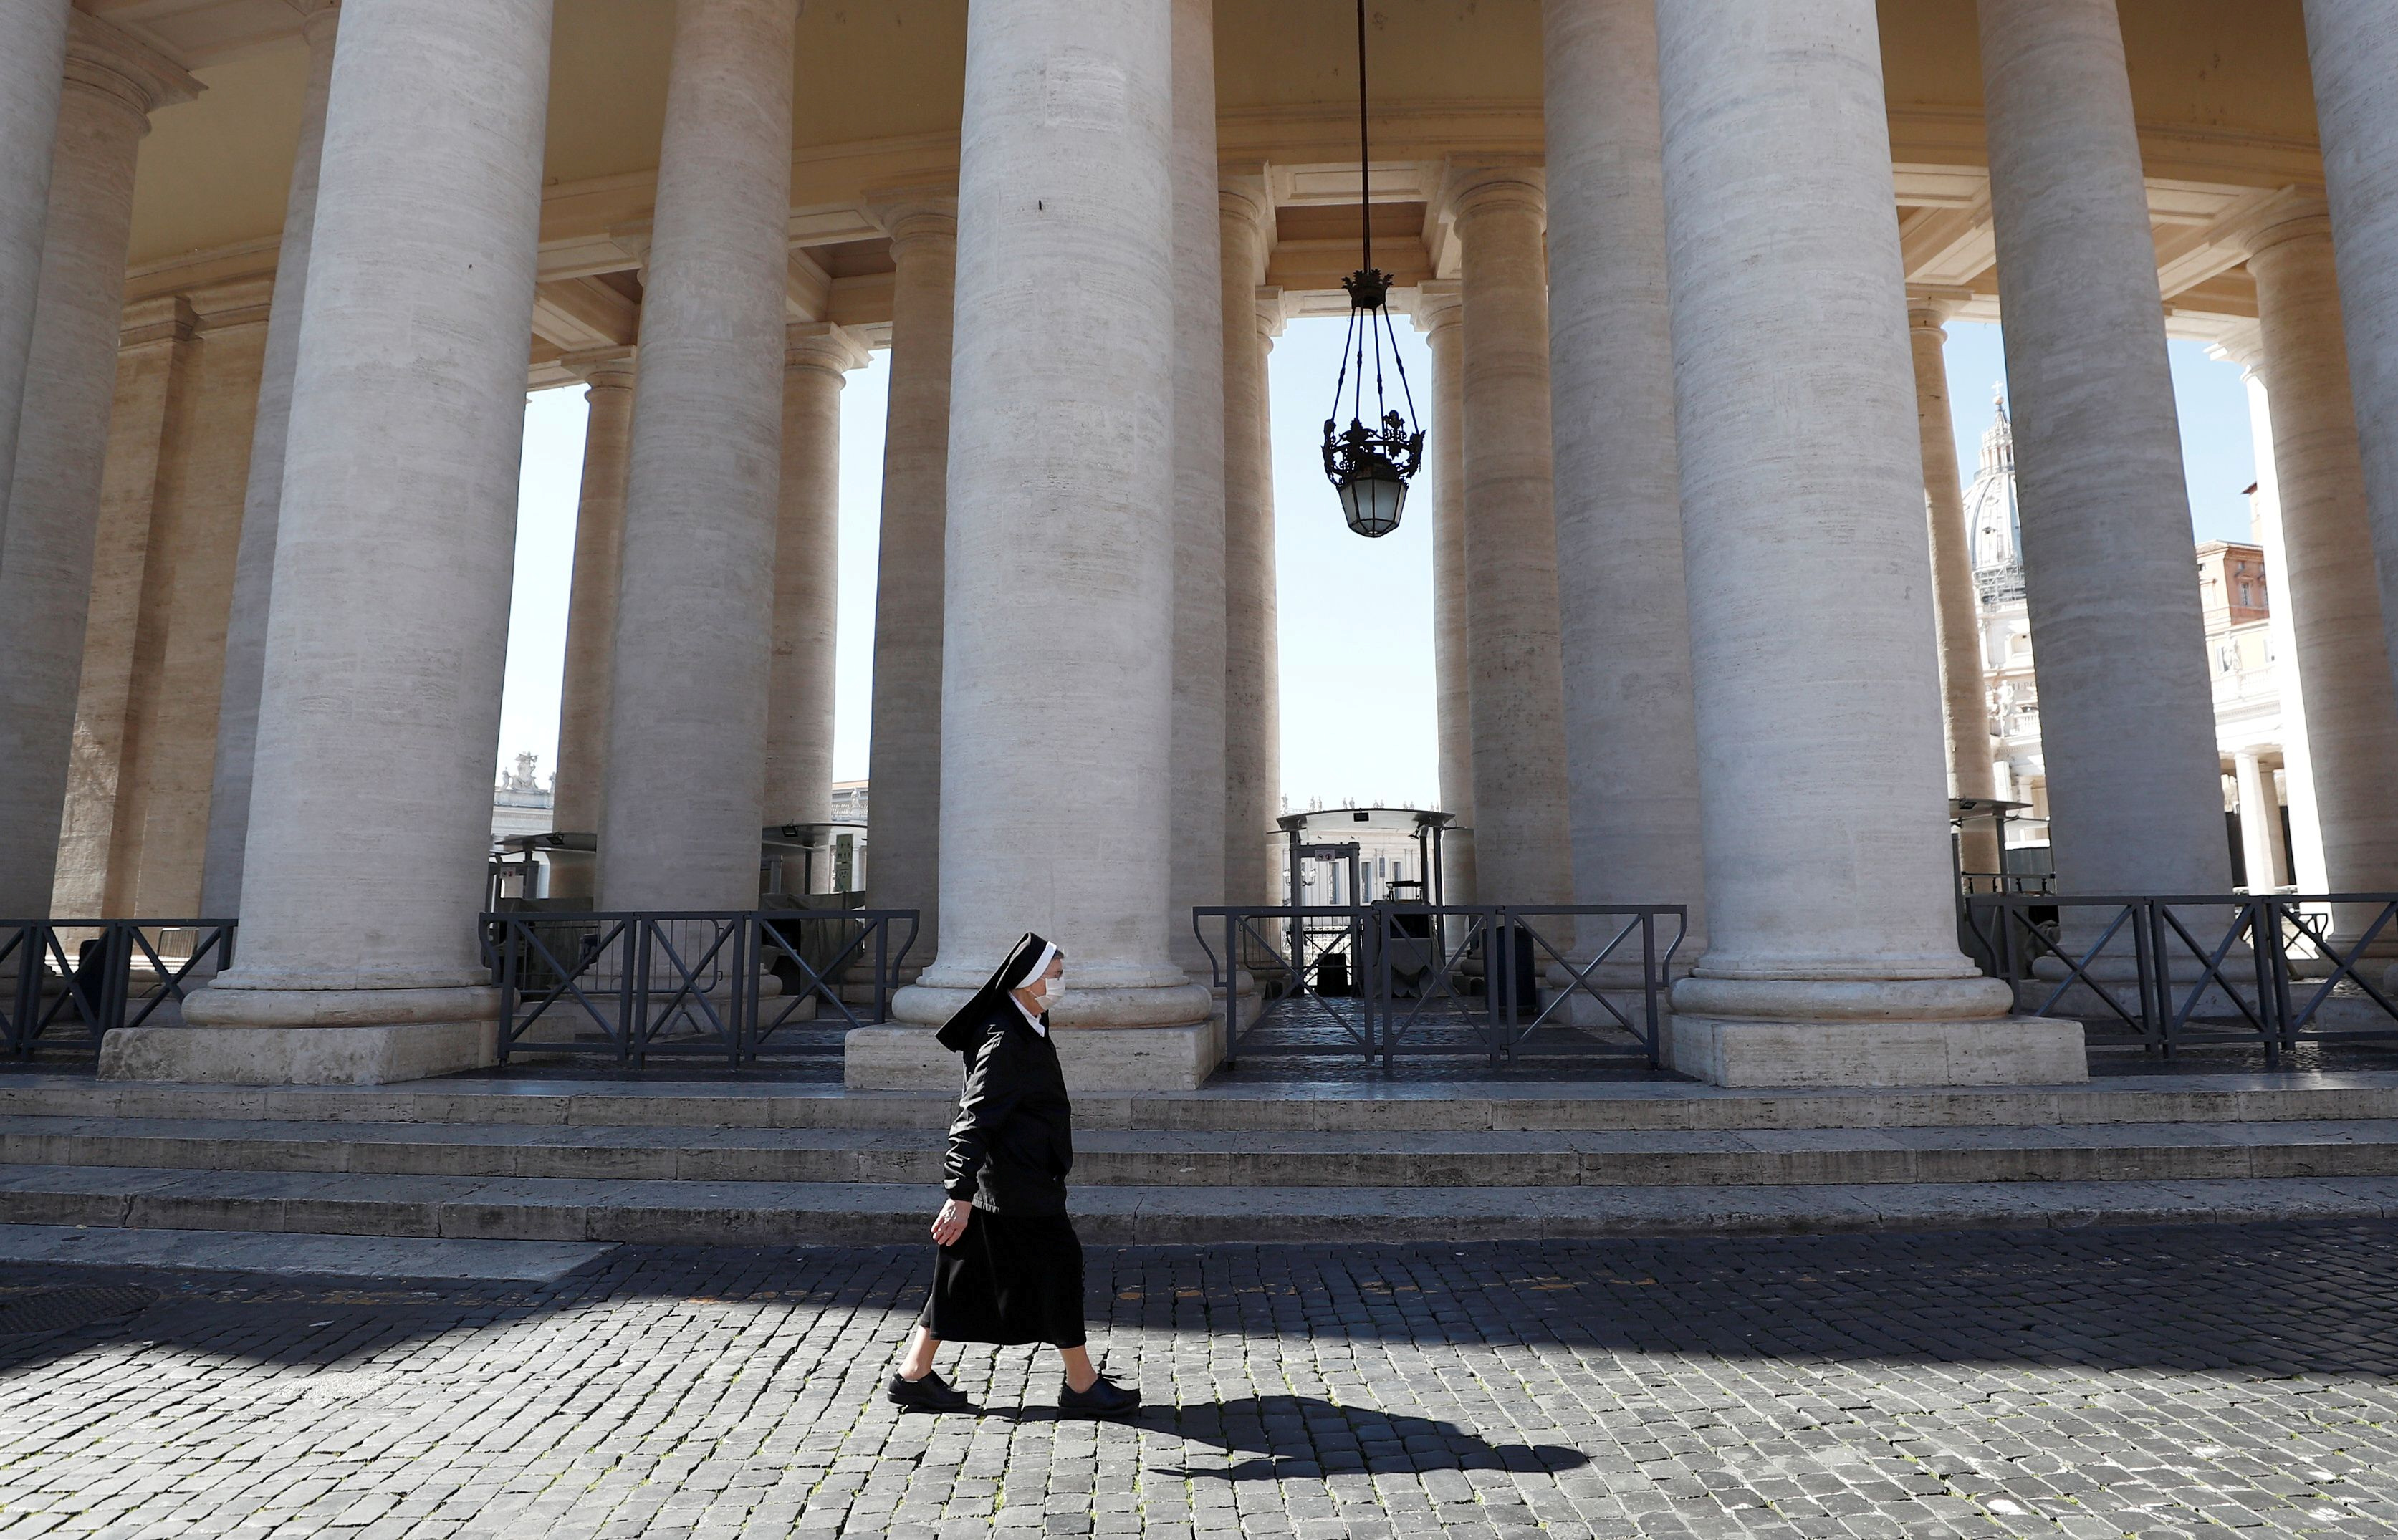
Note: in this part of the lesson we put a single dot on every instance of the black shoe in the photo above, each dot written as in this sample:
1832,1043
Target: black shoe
930,1394
1104,1398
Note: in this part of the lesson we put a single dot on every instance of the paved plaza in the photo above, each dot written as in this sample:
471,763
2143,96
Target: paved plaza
2151,1383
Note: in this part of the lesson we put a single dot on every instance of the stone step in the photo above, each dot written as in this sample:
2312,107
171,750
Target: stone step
1455,1107
826,1214
1149,1158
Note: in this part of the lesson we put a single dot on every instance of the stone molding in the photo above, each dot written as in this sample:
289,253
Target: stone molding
603,368
1273,312
822,345
1440,302
1475,187
169,318
913,216
107,59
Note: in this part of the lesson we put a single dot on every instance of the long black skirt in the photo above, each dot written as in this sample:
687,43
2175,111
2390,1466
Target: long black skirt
1009,1279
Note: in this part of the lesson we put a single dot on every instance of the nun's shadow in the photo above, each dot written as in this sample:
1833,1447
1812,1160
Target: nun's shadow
1296,1437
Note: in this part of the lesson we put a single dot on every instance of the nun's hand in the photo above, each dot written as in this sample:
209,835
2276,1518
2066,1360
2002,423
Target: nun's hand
950,1223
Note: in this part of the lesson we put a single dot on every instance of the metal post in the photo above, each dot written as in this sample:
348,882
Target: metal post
1649,982
508,987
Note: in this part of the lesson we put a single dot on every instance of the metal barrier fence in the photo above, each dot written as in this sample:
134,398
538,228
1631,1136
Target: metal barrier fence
633,986
1386,981
2278,969
68,983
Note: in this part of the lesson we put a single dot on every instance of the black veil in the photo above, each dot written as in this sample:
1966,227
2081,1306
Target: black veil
1026,961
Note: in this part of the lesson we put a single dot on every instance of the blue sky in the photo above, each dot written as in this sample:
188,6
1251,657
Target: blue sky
1355,614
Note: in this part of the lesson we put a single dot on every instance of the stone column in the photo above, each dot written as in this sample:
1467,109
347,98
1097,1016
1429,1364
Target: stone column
1440,313
32,64
1632,749
903,757
807,573
580,787
392,571
1955,604
1833,953
113,82
2260,823
2127,714
1252,725
2354,51
153,375
1057,705
255,559
687,728
1201,749
1521,840
2334,605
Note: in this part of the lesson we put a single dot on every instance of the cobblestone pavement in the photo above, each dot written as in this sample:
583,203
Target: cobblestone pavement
2189,1382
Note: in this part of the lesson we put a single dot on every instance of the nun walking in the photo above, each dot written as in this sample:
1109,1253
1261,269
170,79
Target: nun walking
1008,1268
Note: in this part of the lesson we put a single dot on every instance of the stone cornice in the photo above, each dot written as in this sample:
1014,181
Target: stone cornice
108,58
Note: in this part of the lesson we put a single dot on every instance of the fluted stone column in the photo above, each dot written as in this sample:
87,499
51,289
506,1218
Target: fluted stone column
1521,841
1632,749
2336,606
1200,753
2127,715
1440,312
817,359
2354,51
113,82
154,373
1833,953
33,65
687,728
904,755
1252,717
244,664
1057,705
391,571
1955,604
580,788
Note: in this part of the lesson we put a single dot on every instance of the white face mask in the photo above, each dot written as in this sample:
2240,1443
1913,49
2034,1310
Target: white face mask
1053,990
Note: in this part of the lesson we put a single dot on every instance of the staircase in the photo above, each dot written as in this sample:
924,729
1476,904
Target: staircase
766,1163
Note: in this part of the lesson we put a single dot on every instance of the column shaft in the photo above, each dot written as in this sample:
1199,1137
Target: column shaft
1833,947
903,757
1057,705
245,663
1441,314
2260,824
1196,872
1252,758
687,729
113,82
580,787
32,66
1631,750
1955,604
807,574
379,710
2127,716
2335,607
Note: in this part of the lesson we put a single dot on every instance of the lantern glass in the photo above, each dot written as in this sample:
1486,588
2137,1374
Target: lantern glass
1372,499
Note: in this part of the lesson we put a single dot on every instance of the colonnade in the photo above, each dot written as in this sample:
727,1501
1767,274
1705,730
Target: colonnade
1686,416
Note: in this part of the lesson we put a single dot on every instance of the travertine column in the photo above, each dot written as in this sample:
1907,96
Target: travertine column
2341,659
1833,953
392,571
2260,823
2354,50
817,359
1252,724
904,755
1441,315
153,375
687,728
33,63
1632,749
580,787
1057,705
2127,715
254,560
1955,606
1521,841
113,84
1200,753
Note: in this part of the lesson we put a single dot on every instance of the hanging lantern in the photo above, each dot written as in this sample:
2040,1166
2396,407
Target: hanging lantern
1370,462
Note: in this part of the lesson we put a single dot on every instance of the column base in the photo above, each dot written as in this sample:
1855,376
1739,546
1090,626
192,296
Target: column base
298,1055
1095,1059
2009,1051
